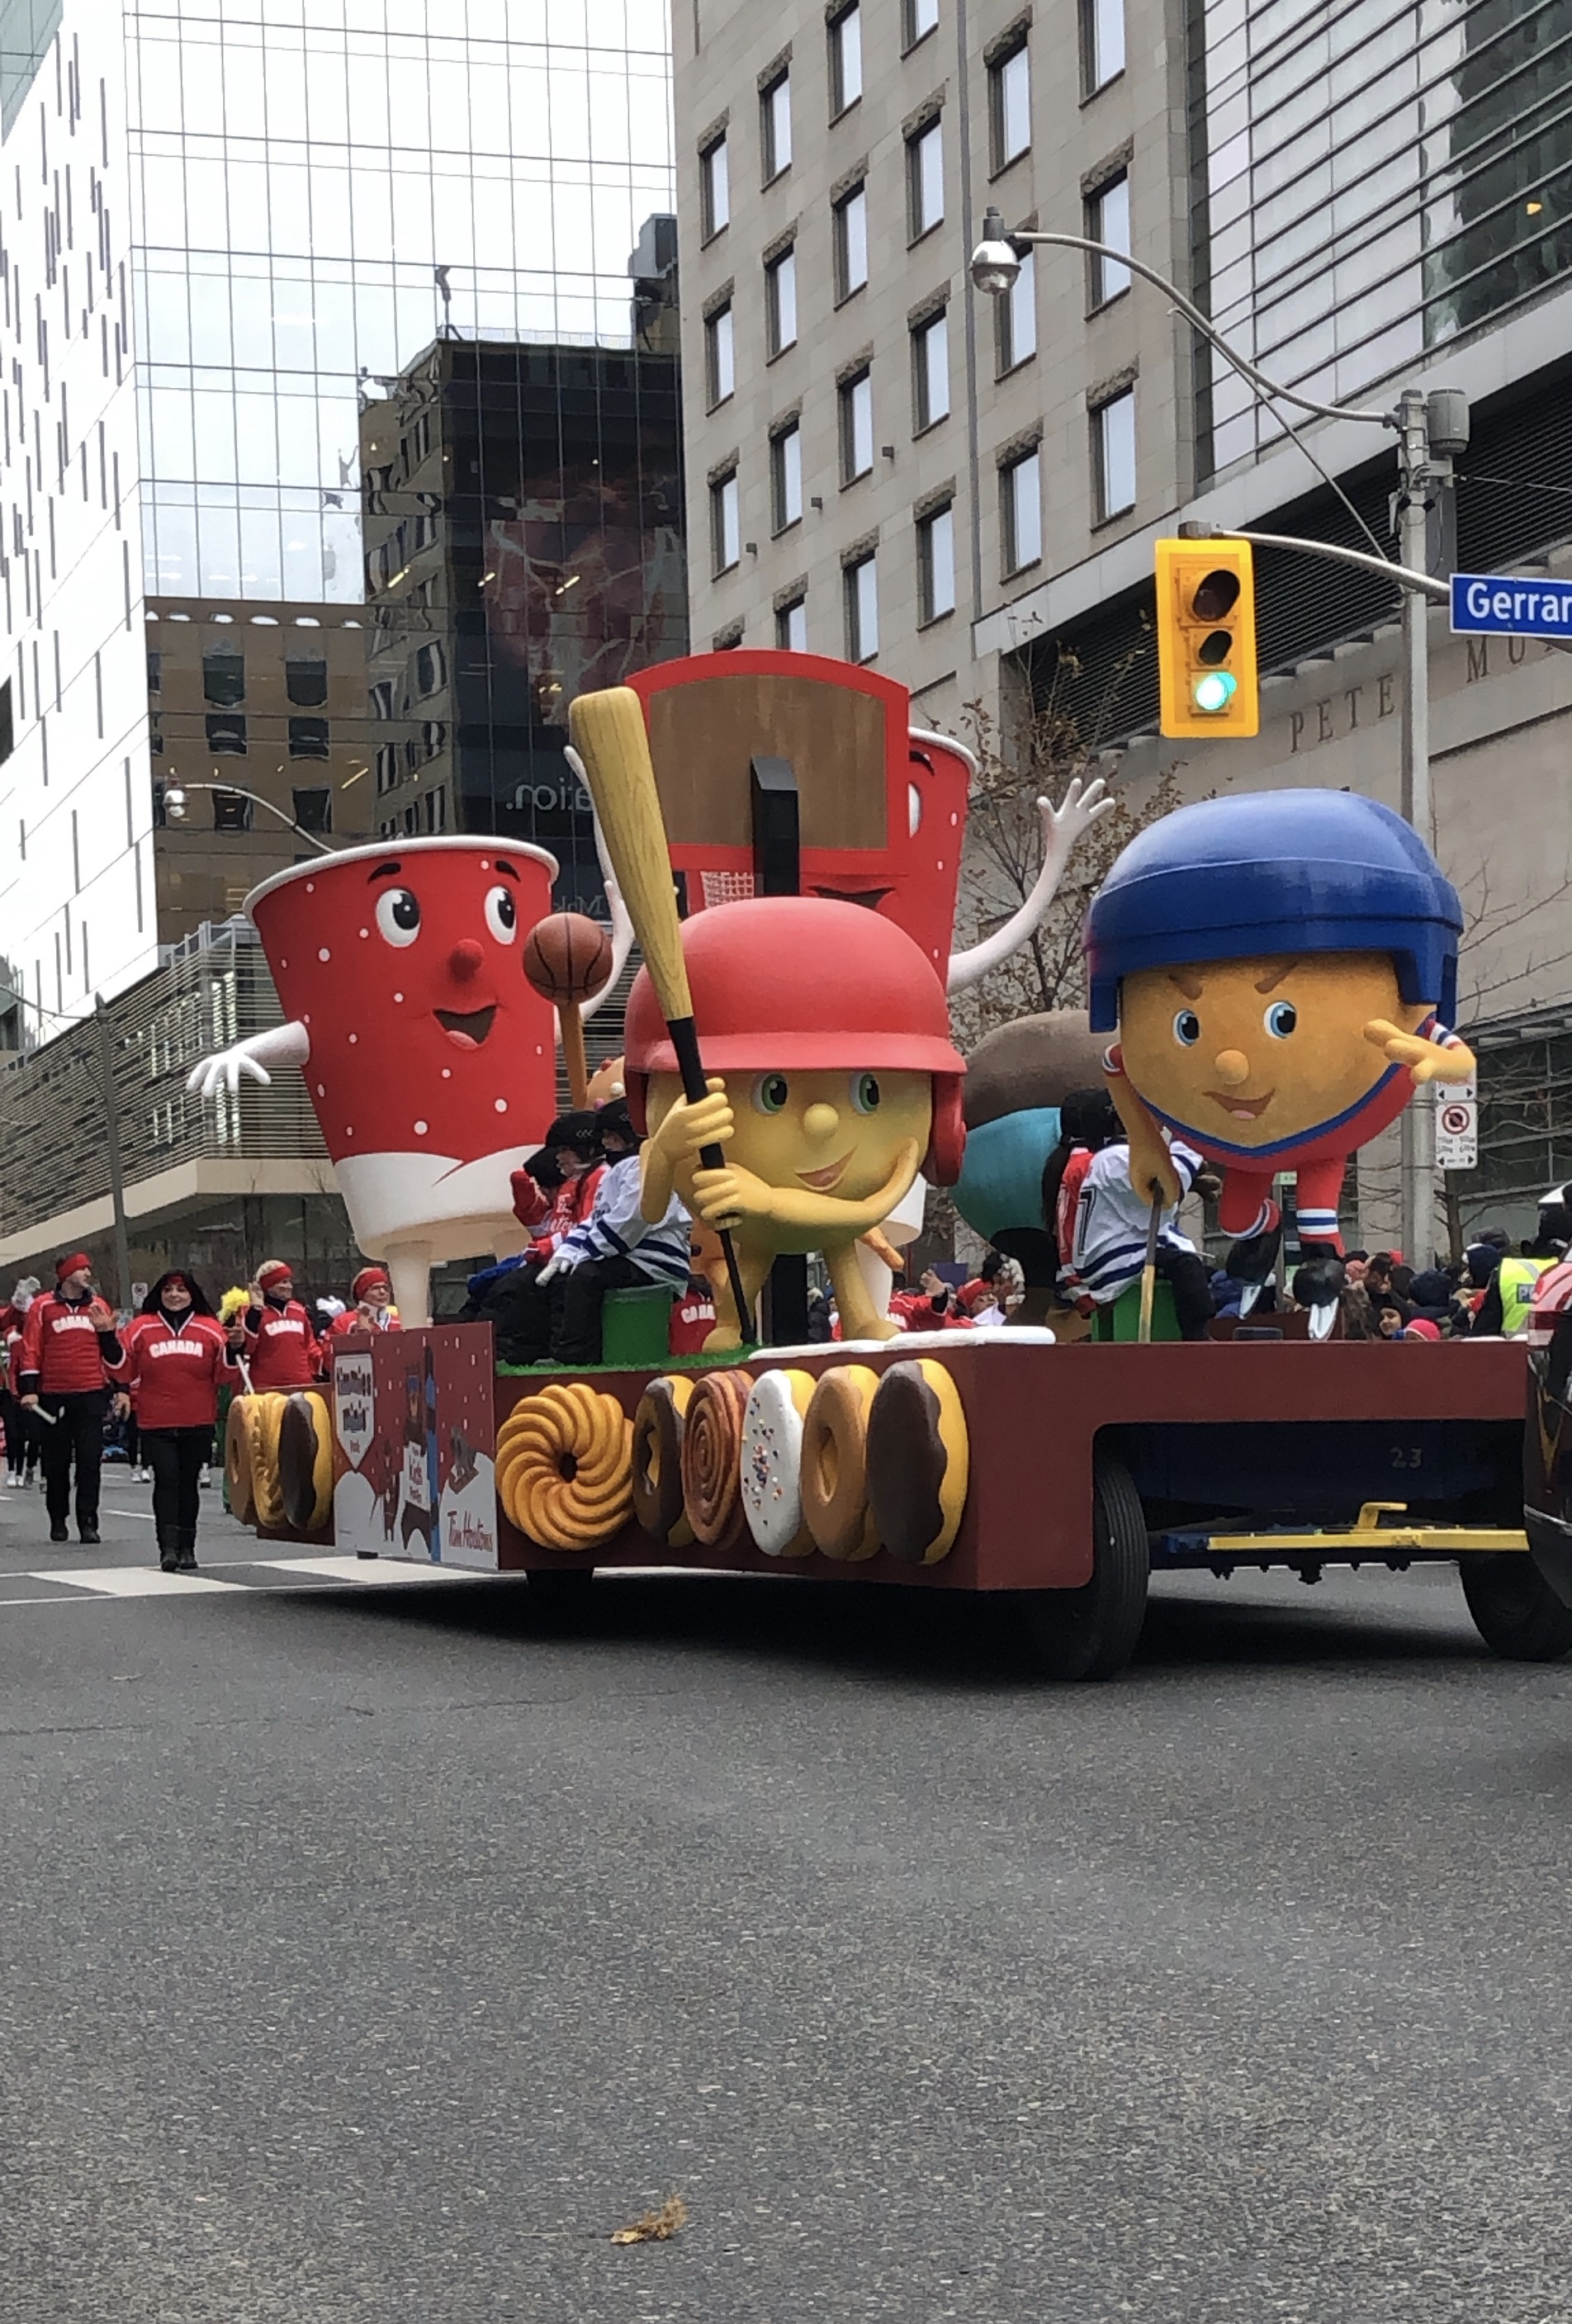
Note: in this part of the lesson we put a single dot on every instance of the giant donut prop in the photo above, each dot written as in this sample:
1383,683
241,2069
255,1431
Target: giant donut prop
657,1454
834,1467
919,1461
564,1471
771,1465
239,1460
712,1436
305,1460
267,1486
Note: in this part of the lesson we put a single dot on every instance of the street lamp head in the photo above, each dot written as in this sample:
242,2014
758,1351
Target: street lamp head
174,803
995,267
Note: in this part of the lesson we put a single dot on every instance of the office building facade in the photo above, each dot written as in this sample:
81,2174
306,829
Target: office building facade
884,463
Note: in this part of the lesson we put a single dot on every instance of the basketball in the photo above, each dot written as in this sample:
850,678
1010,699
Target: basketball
568,958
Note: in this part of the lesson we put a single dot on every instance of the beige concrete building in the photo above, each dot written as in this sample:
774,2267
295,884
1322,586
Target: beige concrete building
882,462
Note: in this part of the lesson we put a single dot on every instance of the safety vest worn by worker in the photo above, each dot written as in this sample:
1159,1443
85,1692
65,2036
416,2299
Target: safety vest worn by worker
1517,1279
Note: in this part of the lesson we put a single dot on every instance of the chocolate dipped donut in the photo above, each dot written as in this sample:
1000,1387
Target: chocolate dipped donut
771,1465
712,1436
918,1460
657,1453
835,1470
305,1460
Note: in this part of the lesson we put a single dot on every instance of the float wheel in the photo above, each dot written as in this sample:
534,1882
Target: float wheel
1515,1610
1090,1633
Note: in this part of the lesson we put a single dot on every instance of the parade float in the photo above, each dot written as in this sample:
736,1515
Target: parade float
787,849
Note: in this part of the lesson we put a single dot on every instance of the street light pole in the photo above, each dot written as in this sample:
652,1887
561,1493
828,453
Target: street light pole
112,1147
174,808
1430,430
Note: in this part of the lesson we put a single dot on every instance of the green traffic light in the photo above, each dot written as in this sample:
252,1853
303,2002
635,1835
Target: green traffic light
1214,691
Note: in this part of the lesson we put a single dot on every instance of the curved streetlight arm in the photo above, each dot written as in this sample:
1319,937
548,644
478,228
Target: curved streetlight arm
1193,314
235,790
1423,584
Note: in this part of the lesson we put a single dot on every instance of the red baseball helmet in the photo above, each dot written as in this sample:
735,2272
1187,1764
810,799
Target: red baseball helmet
802,982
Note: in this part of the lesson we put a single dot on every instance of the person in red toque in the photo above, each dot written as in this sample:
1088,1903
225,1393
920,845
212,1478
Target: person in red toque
373,1310
278,1338
175,1360
68,1339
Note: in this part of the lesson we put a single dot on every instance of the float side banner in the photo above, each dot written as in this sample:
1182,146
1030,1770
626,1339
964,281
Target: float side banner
413,1431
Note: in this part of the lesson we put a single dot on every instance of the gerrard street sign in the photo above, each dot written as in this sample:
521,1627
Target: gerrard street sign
1495,604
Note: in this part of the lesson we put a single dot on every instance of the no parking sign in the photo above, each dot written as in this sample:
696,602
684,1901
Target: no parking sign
1456,1126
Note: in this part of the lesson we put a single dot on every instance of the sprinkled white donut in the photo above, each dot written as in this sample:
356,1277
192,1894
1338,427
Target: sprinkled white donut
772,1456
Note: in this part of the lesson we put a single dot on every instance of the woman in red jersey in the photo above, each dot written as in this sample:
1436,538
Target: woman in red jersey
175,1358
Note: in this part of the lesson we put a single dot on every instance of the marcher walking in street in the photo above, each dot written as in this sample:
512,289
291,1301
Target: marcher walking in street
21,1428
68,1340
176,1359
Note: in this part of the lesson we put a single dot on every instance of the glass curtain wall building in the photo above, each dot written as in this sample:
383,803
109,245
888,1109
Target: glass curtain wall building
1369,182
323,189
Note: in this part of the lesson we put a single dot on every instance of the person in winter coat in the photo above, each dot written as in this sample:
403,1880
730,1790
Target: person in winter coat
372,1310
617,1249
175,1358
21,1428
68,1339
556,1189
280,1339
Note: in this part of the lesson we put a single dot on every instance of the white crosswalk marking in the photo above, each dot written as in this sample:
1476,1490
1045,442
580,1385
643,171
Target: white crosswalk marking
136,1581
368,1569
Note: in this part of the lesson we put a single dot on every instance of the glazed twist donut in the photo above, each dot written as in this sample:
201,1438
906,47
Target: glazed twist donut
712,1436
657,1454
305,1460
771,1462
919,1461
834,1467
564,1472
266,1485
240,1459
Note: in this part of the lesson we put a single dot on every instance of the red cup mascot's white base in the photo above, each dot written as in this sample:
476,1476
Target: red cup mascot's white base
429,1059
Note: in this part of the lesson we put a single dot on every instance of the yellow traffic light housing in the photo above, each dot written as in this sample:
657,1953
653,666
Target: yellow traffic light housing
1206,638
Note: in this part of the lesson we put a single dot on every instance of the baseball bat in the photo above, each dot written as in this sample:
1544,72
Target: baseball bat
1149,1272
608,733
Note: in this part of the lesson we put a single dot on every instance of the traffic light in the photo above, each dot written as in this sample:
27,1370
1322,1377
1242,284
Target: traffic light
1206,638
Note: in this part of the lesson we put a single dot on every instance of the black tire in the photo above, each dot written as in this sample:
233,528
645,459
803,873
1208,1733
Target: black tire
560,1593
1091,1633
1515,1610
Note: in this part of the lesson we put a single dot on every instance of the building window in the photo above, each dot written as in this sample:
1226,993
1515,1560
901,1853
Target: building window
1021,508
846,59
387,765
719,359
1010,107
781,302
155,673
1108,220
929,371
792,626
920,17
224,679
725,524
231,812
314,809
851,242
925,179
775,126
154,742
7,724
1102,44
226,736
786,477
1015,317
430,669
382,698
936,565
433,737
714,190
306,683
308,738
862,595
1114,456
856,426
728,640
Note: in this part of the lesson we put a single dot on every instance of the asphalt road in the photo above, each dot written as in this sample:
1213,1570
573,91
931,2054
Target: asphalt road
370,1954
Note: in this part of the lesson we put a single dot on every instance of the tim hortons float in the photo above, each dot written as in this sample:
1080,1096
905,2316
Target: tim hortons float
994,1459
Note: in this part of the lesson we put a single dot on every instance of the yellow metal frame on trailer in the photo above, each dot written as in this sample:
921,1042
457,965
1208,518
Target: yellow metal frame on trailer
1367,1532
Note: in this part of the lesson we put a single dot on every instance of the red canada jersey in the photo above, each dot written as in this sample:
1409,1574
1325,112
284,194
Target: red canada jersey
174,1376
352,1320
60,1354
553,1215
692,1322
282,1347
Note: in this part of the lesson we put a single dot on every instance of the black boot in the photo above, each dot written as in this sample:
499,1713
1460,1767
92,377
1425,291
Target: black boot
168,1549
185,1548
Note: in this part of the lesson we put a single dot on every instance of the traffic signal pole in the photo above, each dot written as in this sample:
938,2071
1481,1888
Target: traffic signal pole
1430,430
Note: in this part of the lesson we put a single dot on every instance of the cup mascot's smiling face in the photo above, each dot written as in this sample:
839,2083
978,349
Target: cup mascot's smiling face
838,1134
1256,1051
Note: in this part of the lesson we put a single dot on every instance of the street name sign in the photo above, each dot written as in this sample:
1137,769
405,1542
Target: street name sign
1497,604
